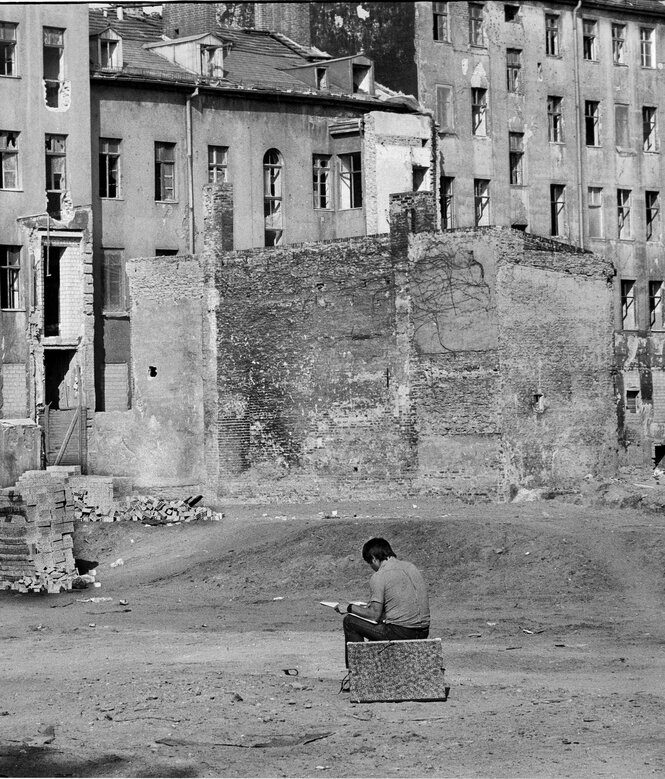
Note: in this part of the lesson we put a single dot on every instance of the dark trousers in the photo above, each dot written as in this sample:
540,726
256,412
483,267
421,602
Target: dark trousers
357,630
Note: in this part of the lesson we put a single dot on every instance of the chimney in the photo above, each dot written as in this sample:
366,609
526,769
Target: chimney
120,11
291,19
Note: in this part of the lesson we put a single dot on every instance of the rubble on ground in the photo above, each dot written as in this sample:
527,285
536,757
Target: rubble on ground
146,509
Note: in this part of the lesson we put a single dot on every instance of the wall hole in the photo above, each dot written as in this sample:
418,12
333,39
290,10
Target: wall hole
152,371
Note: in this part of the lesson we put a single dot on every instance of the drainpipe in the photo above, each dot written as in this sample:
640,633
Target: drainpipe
578,114
190,167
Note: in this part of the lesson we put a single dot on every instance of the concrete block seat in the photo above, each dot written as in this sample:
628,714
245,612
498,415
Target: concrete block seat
397,671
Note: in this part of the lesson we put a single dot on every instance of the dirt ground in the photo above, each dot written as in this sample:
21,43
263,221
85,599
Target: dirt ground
551,616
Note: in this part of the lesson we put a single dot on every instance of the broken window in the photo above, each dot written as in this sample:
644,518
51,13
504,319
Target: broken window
440,23
109,168
51,260
164,171
419,178
657,305
554,121
552,35
511,12
481,197
362,79
321,78
628,305
649,130
7,49
592,122
619,44
632,401
557,209
8,160
53,55
56,173
321,181
590,39
621,130
475,24
652,209
647,47
114,281
350,180
445,109
595,206
447,194
479,111
623,213
217,164
516,152
10,267
272,197
513,69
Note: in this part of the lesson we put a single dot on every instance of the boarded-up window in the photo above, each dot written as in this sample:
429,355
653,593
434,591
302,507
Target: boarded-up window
115,283
14,391
621,131
445,109
595,204
116,386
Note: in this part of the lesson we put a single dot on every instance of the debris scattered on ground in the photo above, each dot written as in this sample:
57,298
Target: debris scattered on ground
147,509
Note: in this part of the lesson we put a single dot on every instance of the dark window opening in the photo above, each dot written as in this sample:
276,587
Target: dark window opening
10,267
511,12
632,397
51,260
56,174
59,379
659,456
53,55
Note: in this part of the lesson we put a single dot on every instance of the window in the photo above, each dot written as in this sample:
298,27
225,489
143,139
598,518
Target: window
440,24
10,267
552,35
447,194
7,49
557,209
321,181
109,168
628,307
513,69
212,61
419,178
475,24
657,305
590,39
115,281
623,213
321,78
8,160
652,212
554,123
217,164
592,122
164,171
621,131
649,132
350,181
511,12
166,252
479,111
56,173
619,44
445,109
595,205
481,198
632,400
53,55
647,47
272,197
110,51
361,79
516,152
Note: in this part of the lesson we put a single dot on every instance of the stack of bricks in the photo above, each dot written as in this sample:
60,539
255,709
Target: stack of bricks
36,534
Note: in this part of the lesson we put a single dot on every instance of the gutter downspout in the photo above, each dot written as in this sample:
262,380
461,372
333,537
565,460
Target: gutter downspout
190,167
580,196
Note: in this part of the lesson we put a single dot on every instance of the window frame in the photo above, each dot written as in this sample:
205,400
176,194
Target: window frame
555,119
51,83
624,208
592,123
479,112
552,35
445,108
52,153
440,22
109,166
652,214
9,48
322,182
557,210
7,154
648,48
447,202
622,128
516,159
513,70
595,206
656,304
618,43
273,198
628,304
10,278
649,129
481,202
476,25
590,40
114,303
218,164
350,181
165,169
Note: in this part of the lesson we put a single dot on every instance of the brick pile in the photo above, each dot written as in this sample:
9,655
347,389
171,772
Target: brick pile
36,534
145,509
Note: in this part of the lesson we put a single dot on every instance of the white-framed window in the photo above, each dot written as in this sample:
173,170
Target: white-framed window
109,167
9,159
619,44
53,52
273,176
114,281
476,37
628,305
165,172
652,214
350,181
592,122
481,200
8,48
478,111
623,214
554,119
109,51
447,195
445,109
621,125
513,69
440,22
516,158
321,181
647,47
218,161
557,209
552,35
590,39
649,128
10,271
657,304
595,209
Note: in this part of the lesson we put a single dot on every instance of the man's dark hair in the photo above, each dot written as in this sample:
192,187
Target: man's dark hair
378,548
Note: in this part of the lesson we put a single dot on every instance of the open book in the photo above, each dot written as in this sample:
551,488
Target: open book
333,604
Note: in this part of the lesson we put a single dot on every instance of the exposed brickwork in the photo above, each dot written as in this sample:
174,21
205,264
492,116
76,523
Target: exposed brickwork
182,19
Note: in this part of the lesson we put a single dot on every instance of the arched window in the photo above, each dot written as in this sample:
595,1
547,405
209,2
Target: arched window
272,197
